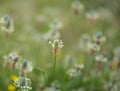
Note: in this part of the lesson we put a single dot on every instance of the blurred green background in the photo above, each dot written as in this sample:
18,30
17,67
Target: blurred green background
32,20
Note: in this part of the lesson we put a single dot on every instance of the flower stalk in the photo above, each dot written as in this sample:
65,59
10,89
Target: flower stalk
44,74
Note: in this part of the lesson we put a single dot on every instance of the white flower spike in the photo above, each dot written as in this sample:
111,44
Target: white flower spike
57,45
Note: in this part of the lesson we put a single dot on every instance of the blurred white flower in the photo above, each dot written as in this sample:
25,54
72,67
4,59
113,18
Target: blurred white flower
92,48
72,73
25,67
56,24
6,24
57,45
56,85
77,6
84,42
23,83
92,15
78,67
101,58
99,38
13,56
11,60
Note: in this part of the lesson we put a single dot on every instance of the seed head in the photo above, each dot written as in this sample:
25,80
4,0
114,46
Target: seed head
25,67
72,73
7,24
56,25
78,67
92,48
99,38
101,58
23,83
77,6
11,60
57,45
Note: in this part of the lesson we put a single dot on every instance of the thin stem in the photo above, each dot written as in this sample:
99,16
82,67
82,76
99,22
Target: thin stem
44,73
54,66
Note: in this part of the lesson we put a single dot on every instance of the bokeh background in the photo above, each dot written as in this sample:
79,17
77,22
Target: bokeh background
33,22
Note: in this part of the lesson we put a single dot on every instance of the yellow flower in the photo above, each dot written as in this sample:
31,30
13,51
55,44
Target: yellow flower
13,77
11,87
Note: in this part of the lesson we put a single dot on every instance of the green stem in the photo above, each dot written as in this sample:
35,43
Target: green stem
44,73
54,66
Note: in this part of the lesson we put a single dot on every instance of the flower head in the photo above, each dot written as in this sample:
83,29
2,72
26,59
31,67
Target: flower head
23,83
72,73
25,67
78,67
101,58
55,85
77,6
84,42
13,56
7,24
11,59
57,45
93,48
92,15
56,25
99,38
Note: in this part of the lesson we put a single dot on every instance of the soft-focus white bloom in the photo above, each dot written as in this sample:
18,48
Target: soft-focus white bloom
101,58
79,66
55,86
25,67
7,24
56,25
57,45
13,56
98,37
11,59
72,73
23,83
84,42
93,48
77,5
29,68
92,15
